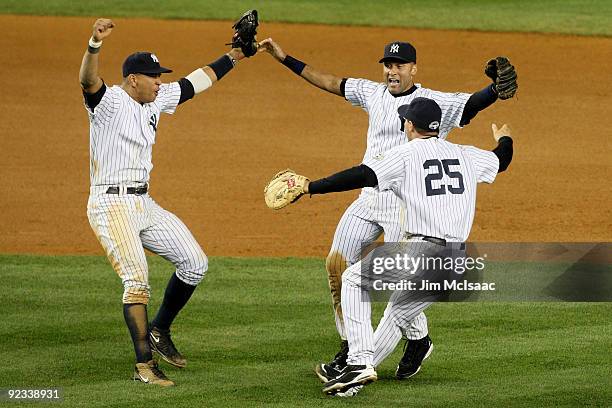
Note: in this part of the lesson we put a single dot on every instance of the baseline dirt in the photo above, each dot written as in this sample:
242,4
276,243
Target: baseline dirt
214,156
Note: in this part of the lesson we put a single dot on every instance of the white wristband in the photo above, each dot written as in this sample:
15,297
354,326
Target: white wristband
200,80
94,44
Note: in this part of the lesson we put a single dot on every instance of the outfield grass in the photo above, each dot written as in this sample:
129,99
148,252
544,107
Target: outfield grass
583,17
255,328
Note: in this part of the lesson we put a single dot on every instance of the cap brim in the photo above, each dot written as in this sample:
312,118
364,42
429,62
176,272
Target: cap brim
160,70
393,59
405,112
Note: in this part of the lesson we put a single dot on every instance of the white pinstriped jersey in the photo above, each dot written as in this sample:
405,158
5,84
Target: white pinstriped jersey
374,212
122,133
436,181
384,125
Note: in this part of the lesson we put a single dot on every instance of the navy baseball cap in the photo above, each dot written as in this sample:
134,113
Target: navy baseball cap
399,51
424,113
143,63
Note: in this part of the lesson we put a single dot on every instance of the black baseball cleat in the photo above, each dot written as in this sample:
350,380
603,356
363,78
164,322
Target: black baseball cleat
331,370
326,373
339,361
351,376
162,344
415,352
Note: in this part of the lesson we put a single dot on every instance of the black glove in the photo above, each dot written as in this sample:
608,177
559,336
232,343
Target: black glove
244,34
502,72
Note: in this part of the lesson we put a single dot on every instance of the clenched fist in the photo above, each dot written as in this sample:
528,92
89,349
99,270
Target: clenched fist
102,29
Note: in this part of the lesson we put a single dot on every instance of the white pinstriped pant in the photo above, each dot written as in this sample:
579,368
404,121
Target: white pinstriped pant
363,222
126,224
365,345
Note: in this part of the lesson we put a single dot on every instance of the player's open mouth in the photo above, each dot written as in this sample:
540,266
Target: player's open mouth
394,81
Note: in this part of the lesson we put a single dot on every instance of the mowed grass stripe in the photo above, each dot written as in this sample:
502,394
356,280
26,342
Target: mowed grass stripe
256,327
593,17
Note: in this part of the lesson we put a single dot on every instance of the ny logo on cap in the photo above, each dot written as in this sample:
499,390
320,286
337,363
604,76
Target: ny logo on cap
394,48
154,58
434,125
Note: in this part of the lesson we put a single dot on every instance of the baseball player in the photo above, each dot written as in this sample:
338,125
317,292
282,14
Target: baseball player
435,181
125,219
377,212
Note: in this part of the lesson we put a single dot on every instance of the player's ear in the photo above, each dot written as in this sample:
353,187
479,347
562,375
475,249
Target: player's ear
132,80
413,70
409,127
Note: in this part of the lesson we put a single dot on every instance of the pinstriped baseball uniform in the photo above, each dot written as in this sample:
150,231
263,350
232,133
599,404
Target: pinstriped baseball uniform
122,134
436,182
376,212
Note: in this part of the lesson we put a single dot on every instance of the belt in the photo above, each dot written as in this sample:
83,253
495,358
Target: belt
433,240
130,190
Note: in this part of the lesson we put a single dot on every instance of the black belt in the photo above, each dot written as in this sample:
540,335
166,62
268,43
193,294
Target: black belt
130,190
433,240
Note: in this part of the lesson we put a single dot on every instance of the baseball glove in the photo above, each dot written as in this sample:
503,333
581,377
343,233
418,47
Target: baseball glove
502,72
245,30
285,188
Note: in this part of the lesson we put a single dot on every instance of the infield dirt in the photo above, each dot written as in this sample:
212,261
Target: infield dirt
215,155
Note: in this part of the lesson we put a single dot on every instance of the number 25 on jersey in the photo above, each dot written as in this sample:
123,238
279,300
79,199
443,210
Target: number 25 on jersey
440,168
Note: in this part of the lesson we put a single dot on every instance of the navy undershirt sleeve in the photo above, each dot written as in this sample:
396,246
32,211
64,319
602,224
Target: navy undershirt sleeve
504,151
187,91
92,100
478,101
349,179
343,86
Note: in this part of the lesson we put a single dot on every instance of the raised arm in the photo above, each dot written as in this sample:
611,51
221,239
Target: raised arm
88,74
243,44
218,68
504,149
327,82
203,78
504,86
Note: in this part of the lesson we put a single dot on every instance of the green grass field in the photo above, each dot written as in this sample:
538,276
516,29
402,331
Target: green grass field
255,328
583,17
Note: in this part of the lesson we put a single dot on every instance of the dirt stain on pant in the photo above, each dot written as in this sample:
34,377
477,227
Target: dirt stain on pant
335,264
123,249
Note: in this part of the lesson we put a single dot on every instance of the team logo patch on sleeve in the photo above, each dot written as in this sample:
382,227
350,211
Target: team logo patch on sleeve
153,122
